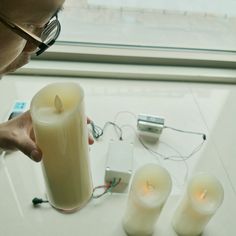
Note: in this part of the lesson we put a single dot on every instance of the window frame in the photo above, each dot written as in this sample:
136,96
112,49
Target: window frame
85,52
126,63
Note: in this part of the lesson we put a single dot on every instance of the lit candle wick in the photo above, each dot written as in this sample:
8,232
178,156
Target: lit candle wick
203,195
58,104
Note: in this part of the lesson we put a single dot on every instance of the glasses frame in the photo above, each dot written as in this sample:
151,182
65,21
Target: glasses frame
30,37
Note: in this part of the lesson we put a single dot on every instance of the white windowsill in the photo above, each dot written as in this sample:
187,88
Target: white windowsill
125,71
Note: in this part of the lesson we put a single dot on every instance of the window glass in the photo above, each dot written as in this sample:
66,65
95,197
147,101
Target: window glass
182,24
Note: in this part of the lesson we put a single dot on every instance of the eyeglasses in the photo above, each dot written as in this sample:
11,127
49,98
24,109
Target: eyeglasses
47,37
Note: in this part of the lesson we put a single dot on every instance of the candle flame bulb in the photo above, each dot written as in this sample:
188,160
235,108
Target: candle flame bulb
203,195
147,188
150,187
58,104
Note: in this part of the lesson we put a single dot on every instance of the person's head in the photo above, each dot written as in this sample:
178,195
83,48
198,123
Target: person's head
31,15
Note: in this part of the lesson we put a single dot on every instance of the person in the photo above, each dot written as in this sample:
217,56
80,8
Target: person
26,27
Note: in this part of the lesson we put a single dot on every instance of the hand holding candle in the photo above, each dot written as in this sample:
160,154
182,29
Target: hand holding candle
150,188
203,196
60,130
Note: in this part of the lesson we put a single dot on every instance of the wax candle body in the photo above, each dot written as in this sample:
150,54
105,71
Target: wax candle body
61,133
150,188
203,196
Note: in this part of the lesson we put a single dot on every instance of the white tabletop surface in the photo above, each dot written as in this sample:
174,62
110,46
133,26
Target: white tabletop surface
207,108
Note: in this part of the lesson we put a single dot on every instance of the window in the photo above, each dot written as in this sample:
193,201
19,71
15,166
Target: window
195,24
163,39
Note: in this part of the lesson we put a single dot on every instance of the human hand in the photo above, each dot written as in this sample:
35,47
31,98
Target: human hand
17,133
90,139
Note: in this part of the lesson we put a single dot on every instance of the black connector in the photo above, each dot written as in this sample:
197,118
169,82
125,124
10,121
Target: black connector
36,201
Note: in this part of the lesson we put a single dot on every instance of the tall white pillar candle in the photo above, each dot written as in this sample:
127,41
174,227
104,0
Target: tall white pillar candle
151,185
60,128
204,194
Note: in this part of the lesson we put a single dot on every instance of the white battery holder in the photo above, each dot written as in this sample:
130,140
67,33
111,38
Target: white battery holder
150,125
119,164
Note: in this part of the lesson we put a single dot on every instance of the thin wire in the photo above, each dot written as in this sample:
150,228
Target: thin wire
195,150
114,185
184,131
108,188
124,112
149,150
157,155
97,131
184,161
103,193
139,138
164,157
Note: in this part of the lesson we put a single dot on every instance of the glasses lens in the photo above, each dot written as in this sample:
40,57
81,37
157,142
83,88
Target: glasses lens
51,32
49,35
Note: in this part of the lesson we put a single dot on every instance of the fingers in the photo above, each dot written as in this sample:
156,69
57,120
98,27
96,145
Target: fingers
88,120
29,148
24,136
36,155
24,140
90,140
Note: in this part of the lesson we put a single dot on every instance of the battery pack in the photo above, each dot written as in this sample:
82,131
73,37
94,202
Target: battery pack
119,164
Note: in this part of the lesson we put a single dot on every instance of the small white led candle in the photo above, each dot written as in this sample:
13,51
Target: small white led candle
60,129
203,196
151,185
